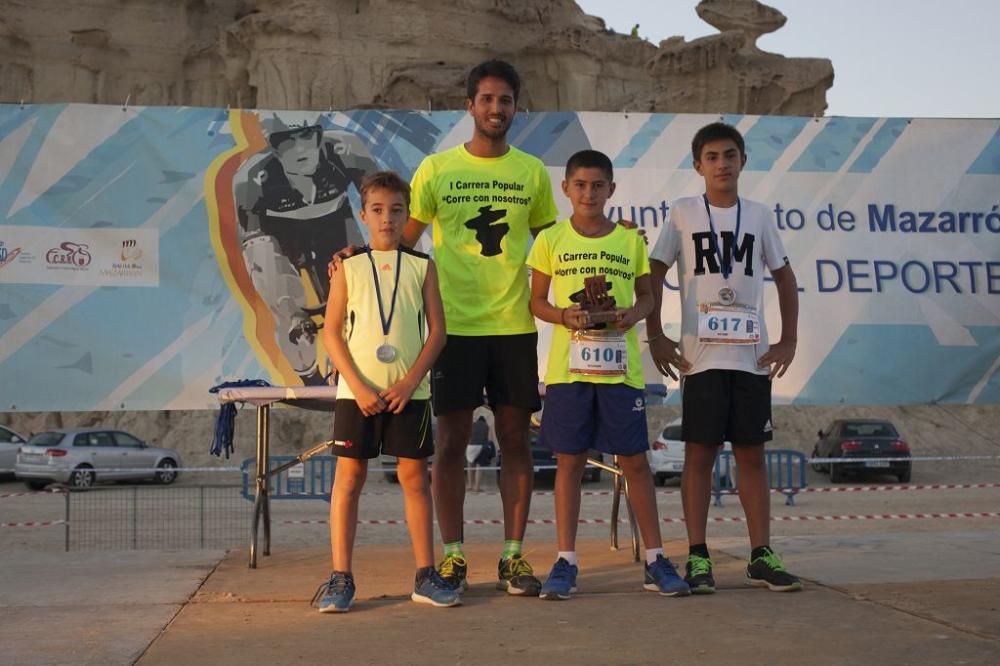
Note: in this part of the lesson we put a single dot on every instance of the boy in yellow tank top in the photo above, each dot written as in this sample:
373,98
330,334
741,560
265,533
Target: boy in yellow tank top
599,276
376,315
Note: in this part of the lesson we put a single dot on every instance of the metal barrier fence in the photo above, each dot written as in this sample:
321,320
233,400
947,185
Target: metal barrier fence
157,518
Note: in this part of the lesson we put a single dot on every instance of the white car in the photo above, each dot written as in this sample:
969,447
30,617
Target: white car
10,442
666,456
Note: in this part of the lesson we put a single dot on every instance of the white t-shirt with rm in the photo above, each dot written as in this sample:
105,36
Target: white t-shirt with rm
686,239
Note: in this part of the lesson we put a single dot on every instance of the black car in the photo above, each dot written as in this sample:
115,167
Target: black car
544,461
866,440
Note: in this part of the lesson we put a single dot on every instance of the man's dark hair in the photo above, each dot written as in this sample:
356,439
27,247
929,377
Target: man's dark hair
715,132
384,180
497,69
590,159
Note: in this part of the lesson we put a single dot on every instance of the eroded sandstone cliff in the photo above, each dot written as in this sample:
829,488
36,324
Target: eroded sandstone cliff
319,54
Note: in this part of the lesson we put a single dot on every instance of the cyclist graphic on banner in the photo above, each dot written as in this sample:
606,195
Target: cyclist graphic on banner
293,211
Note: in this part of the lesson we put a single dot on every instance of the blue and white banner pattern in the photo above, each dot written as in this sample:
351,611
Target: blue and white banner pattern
147,254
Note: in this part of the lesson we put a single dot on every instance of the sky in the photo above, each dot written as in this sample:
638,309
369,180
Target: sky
891,58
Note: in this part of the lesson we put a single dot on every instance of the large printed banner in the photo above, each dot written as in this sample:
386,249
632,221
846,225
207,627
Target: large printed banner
147,254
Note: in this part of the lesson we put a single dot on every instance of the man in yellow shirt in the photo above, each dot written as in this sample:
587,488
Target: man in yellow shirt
482,199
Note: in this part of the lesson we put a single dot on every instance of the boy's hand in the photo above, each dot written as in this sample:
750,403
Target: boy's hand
665,354
629,224
575,318
369,401
398,395
779,357
626,318
338,258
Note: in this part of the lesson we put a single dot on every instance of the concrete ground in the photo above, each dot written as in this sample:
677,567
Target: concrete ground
847,614
918,591
892,598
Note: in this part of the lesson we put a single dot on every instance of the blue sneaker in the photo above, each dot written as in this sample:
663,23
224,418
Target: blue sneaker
430,588
337,594
561,583
661,576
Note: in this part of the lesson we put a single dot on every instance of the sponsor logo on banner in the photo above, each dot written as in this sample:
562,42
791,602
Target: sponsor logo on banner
79,257
68,256
131,250
8,254
129,267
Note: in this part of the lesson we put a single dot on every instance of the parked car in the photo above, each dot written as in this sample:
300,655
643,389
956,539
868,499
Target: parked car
10,442
82,456
666,455
544,461
862,439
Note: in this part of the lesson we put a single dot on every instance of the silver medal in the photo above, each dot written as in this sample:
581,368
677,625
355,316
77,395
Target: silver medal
385,353
727,296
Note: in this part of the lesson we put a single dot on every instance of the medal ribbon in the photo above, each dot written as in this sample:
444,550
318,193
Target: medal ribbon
386,323
727,268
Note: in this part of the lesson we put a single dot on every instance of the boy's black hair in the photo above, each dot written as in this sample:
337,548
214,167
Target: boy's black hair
714,132
496,68
384,180
590,159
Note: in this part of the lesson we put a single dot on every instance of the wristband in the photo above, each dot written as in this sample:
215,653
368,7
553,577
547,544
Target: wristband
562,317
655,338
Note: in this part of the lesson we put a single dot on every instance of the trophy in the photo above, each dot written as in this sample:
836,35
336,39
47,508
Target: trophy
596,301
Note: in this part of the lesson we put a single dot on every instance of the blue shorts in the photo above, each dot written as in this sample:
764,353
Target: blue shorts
581,416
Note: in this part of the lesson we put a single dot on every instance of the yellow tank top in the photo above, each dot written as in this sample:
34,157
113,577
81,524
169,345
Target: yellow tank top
363,326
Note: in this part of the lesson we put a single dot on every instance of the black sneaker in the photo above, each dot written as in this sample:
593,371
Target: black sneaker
768,570
698,575
453,569
517,577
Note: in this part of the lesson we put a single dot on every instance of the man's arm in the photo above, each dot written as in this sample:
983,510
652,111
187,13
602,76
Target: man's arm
662,349
781,354
412,232
537,230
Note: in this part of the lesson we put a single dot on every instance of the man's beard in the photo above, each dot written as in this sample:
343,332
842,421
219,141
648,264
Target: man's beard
489,132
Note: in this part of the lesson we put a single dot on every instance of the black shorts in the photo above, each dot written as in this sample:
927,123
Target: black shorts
405,435
726,406
505,366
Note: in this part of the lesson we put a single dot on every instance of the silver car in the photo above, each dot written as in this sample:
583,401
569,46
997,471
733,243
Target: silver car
82,456
10,442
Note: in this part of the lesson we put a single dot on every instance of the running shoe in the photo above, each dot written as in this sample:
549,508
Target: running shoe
453,569
698,575
517,577
430,588
768,570
661,576
561,583
337,594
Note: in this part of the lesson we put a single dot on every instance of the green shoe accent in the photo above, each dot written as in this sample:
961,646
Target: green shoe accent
769,571
453,569
698,575
516,577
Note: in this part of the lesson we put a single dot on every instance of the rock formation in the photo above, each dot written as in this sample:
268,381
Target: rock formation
318,54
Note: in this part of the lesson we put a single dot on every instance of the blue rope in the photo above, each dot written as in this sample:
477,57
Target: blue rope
225,421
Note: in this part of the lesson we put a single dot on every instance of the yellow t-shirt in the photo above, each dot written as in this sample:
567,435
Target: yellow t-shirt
363,325
568,258
481,211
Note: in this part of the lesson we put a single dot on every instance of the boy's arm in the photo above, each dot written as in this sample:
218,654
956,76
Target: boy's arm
641,308
398,395
781,354
662,349
573,317
367,398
